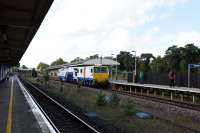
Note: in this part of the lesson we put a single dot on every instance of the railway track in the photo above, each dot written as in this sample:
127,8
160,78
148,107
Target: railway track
186,105
62,120
159,100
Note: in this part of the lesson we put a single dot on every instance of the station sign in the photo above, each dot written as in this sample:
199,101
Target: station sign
194,65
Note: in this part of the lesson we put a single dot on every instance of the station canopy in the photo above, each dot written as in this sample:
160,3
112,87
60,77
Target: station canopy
19,22
88,62
102,61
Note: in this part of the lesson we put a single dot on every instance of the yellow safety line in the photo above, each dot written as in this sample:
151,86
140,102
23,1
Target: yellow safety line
9,119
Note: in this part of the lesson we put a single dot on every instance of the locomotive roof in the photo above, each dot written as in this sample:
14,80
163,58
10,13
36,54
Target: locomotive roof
103,61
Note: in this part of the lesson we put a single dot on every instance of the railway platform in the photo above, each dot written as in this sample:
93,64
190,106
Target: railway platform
16,115
182,93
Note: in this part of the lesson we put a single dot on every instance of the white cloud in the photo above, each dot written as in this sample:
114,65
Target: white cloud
152,41
83,27
184,38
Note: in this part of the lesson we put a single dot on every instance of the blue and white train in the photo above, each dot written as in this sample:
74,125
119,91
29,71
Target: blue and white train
87,75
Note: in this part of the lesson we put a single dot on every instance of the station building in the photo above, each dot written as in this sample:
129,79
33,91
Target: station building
53,70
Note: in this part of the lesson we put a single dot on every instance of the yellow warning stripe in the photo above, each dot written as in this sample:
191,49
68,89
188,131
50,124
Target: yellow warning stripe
9,119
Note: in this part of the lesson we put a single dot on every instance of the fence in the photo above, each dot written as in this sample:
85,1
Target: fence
162,79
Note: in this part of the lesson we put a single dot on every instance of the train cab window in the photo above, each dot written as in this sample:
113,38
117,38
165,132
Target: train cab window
100,70
91,70
103,69
97,70
81,70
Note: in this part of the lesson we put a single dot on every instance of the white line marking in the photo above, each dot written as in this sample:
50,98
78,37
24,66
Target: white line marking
66,109
42,121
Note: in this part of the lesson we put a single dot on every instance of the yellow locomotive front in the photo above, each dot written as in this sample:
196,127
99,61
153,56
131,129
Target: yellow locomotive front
101,75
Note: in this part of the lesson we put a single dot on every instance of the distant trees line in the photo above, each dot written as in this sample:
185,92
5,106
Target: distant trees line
175,58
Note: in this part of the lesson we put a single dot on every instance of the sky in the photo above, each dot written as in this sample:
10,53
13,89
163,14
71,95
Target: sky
80,28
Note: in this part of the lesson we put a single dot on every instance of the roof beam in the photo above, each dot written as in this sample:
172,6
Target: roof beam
14,8
17,23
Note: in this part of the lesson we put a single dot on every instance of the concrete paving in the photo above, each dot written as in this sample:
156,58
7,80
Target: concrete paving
162,87
4,100
23,120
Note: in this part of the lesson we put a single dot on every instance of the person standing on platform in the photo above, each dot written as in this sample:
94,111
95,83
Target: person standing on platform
172,77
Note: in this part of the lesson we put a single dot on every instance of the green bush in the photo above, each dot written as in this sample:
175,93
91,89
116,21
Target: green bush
101,99
37,80
129,107
114,99
78,90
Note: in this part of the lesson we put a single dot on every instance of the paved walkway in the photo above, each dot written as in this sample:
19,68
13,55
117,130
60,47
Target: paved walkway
15,113
163,87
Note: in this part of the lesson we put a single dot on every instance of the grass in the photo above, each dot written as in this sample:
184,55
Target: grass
86,99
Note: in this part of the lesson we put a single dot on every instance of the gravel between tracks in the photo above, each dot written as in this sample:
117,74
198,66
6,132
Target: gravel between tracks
99,124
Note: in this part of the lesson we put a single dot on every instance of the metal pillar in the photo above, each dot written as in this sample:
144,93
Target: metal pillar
181,97
116,68
154,92
193,99
147,91
171,96
130,89
188,75
163,93
121,88
135,72
111,73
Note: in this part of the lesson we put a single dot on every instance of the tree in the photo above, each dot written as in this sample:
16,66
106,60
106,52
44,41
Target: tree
93,57
190,54
34,73
77,59
178,58
173,58
145,61
59,61
157,64
126,61
42,67
108,57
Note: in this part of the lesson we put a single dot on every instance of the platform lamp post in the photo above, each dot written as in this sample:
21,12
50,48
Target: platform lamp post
135,66
116,67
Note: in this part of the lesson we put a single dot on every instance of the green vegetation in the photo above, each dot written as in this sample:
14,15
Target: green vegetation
114,100
175,58
42,67
129,107
59,61
34,73
45,77
43,73
101,99
121,114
